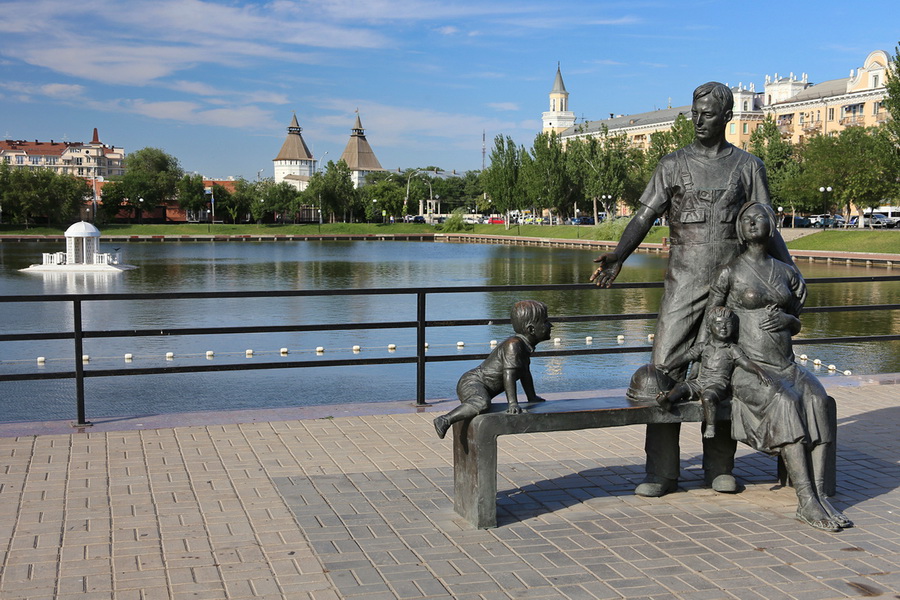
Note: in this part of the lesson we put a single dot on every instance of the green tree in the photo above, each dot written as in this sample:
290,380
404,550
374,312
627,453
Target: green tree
238,203
501,181
150,174
892,101
192,196
783,172
547,180
382,196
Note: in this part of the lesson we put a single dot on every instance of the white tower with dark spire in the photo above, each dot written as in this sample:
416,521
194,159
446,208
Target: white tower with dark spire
559,117
294,163
359,156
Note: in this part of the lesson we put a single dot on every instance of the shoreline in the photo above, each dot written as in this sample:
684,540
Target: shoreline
868,259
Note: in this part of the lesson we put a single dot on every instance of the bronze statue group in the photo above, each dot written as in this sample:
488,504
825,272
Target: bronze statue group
731,303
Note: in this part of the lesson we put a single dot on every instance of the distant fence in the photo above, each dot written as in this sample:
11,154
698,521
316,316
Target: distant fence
78,334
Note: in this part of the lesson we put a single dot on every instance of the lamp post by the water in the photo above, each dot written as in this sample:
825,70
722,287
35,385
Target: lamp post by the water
605,198
825,191
140,209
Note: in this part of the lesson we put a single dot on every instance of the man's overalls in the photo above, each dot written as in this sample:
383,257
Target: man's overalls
703,237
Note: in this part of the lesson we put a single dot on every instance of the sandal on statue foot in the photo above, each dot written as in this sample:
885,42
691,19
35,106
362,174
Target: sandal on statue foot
821,524
837,516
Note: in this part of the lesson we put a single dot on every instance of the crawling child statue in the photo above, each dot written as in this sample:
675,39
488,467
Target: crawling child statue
717,359
508,363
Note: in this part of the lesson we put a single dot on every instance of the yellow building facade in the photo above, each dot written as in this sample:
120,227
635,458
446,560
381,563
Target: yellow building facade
800,108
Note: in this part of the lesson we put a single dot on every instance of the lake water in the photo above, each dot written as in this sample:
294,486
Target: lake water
231,266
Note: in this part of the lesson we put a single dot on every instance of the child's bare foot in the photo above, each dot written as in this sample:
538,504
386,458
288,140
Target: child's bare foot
709,431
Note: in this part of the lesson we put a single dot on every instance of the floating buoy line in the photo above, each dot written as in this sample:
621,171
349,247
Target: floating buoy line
817,364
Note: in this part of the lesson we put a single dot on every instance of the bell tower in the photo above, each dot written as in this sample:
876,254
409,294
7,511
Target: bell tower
559,117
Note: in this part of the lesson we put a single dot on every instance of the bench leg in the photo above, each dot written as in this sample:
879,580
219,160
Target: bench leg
474,476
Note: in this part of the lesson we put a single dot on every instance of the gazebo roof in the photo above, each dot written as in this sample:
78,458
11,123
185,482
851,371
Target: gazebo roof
82,229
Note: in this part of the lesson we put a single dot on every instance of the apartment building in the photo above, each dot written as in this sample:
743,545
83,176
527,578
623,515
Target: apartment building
799,107
92,160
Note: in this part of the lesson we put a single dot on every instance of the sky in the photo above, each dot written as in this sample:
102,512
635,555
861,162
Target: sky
215,83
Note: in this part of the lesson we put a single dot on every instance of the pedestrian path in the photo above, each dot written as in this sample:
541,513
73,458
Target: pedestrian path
360,506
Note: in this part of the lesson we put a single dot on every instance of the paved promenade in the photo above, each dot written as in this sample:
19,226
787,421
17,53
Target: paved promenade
324,506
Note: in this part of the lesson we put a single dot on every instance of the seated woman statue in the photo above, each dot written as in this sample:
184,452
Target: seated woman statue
790,417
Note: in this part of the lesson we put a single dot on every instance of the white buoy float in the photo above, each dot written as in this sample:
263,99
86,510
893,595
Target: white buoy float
248,352
170,356
129,357
460,344
848,372
832,368
589,340
41,360
356,349
817,362
651,336
804,357
210,354
283,351
620,339
392,347
493,343
320,349
85,358
556,341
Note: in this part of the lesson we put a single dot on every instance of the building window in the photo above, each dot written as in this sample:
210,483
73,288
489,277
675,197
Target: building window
51,160
831,114
79,161
20,160
876,106
732,128
874,81
746,128
745,105
35,160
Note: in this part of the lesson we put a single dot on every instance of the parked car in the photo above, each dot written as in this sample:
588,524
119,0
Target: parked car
834,221
496,221
418,219
876,221
582,221
816,220
799,221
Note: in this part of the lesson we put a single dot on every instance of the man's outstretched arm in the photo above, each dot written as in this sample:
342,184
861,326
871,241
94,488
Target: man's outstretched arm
610,264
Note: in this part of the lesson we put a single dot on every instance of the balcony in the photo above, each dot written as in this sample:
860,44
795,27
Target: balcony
811,126
853,121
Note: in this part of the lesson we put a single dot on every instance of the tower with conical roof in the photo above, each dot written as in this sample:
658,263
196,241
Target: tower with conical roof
559,117
294,163
359,155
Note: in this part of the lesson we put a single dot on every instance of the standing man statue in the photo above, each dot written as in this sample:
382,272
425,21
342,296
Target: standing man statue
701,186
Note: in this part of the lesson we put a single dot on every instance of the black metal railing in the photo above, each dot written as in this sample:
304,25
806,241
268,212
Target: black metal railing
78,334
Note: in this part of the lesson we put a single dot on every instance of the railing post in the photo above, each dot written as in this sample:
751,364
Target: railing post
79,366
420,348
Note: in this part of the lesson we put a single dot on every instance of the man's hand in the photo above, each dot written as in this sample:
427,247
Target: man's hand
513,409
608,269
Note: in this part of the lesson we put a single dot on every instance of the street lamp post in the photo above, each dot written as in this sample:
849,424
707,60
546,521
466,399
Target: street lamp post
408,179
825,191
140,209
606,198
780,223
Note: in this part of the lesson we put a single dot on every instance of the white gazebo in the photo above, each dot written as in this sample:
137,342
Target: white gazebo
82,253
82,243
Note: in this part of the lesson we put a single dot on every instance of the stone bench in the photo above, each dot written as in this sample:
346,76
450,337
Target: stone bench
475,441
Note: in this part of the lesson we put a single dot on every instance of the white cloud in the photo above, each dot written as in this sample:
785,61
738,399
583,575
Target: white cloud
504,105
196,114
447,30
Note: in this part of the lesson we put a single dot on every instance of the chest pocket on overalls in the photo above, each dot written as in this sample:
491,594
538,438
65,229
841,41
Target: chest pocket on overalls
696,207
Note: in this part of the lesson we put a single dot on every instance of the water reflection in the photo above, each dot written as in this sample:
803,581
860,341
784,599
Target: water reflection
192,266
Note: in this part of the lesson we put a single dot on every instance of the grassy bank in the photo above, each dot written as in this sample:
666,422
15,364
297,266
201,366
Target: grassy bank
886,242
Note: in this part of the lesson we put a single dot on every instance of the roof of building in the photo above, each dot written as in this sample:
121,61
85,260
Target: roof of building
558,86
358,154
826,89
655,117
53,148
294,148
82,229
